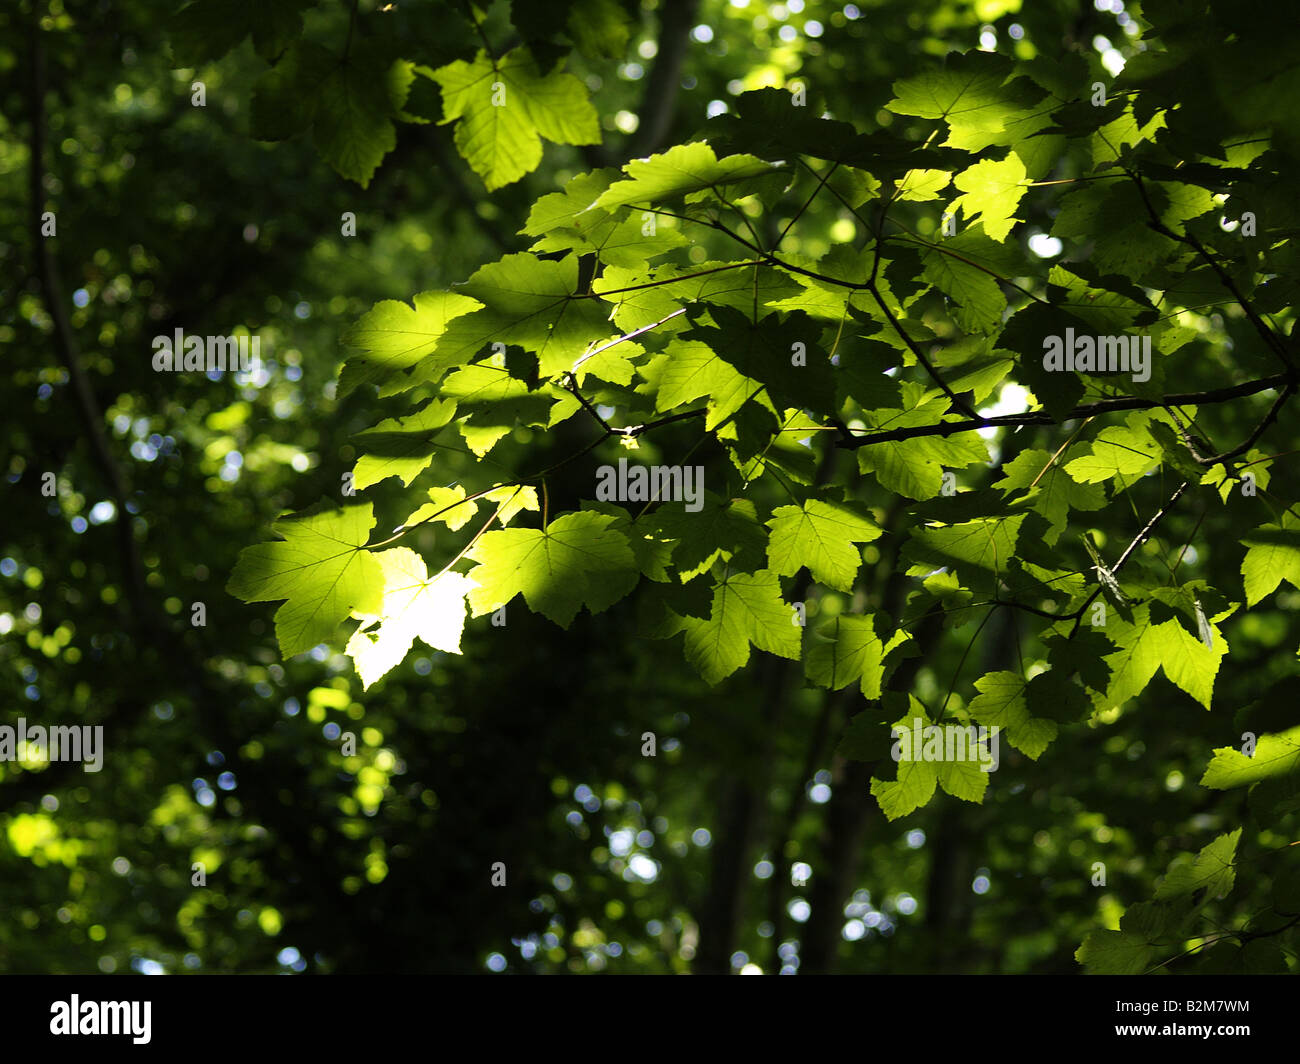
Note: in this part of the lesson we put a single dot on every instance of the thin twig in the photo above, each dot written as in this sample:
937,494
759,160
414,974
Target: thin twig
1138,540
949,428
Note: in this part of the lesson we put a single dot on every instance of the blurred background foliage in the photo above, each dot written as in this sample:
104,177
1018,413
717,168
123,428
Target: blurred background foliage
745,842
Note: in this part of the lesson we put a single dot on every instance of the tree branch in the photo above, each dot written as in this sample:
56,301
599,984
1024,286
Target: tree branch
656,113
1138,540
1271,340
51,287
949,428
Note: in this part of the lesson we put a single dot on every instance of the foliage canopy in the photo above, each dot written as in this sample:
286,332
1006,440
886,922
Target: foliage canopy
833,298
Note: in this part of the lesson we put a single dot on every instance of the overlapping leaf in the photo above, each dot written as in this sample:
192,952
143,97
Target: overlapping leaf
503,107
917,777
413,605
319,568
526,301
350,103
679,171
820,535
577,560
747,609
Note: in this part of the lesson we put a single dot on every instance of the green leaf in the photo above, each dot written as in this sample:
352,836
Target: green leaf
1056,696
400,446
780,351
506,106
767,121
354,128
443,502
566,221
992,192
1111,218
1001,703
1024,130
397,335
849,650
615,365
494,401
866,738
1023,336
729,284
1144,648
1186,660
921,184
913,788
947,589
1212,870
1114,953
1156,921
652,551
980,301
968,91
1274,756
723,529
1049,490
681,170
577,560
915,467
903,469
1272,555
599,28
819,535
974,548
1126,454
413,605
513,499
822,299
529,302
349,102
207,29
917,777
319,568
1258,957
630,241
962,779
852,186
693,370
747,608
1107,309
561,210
